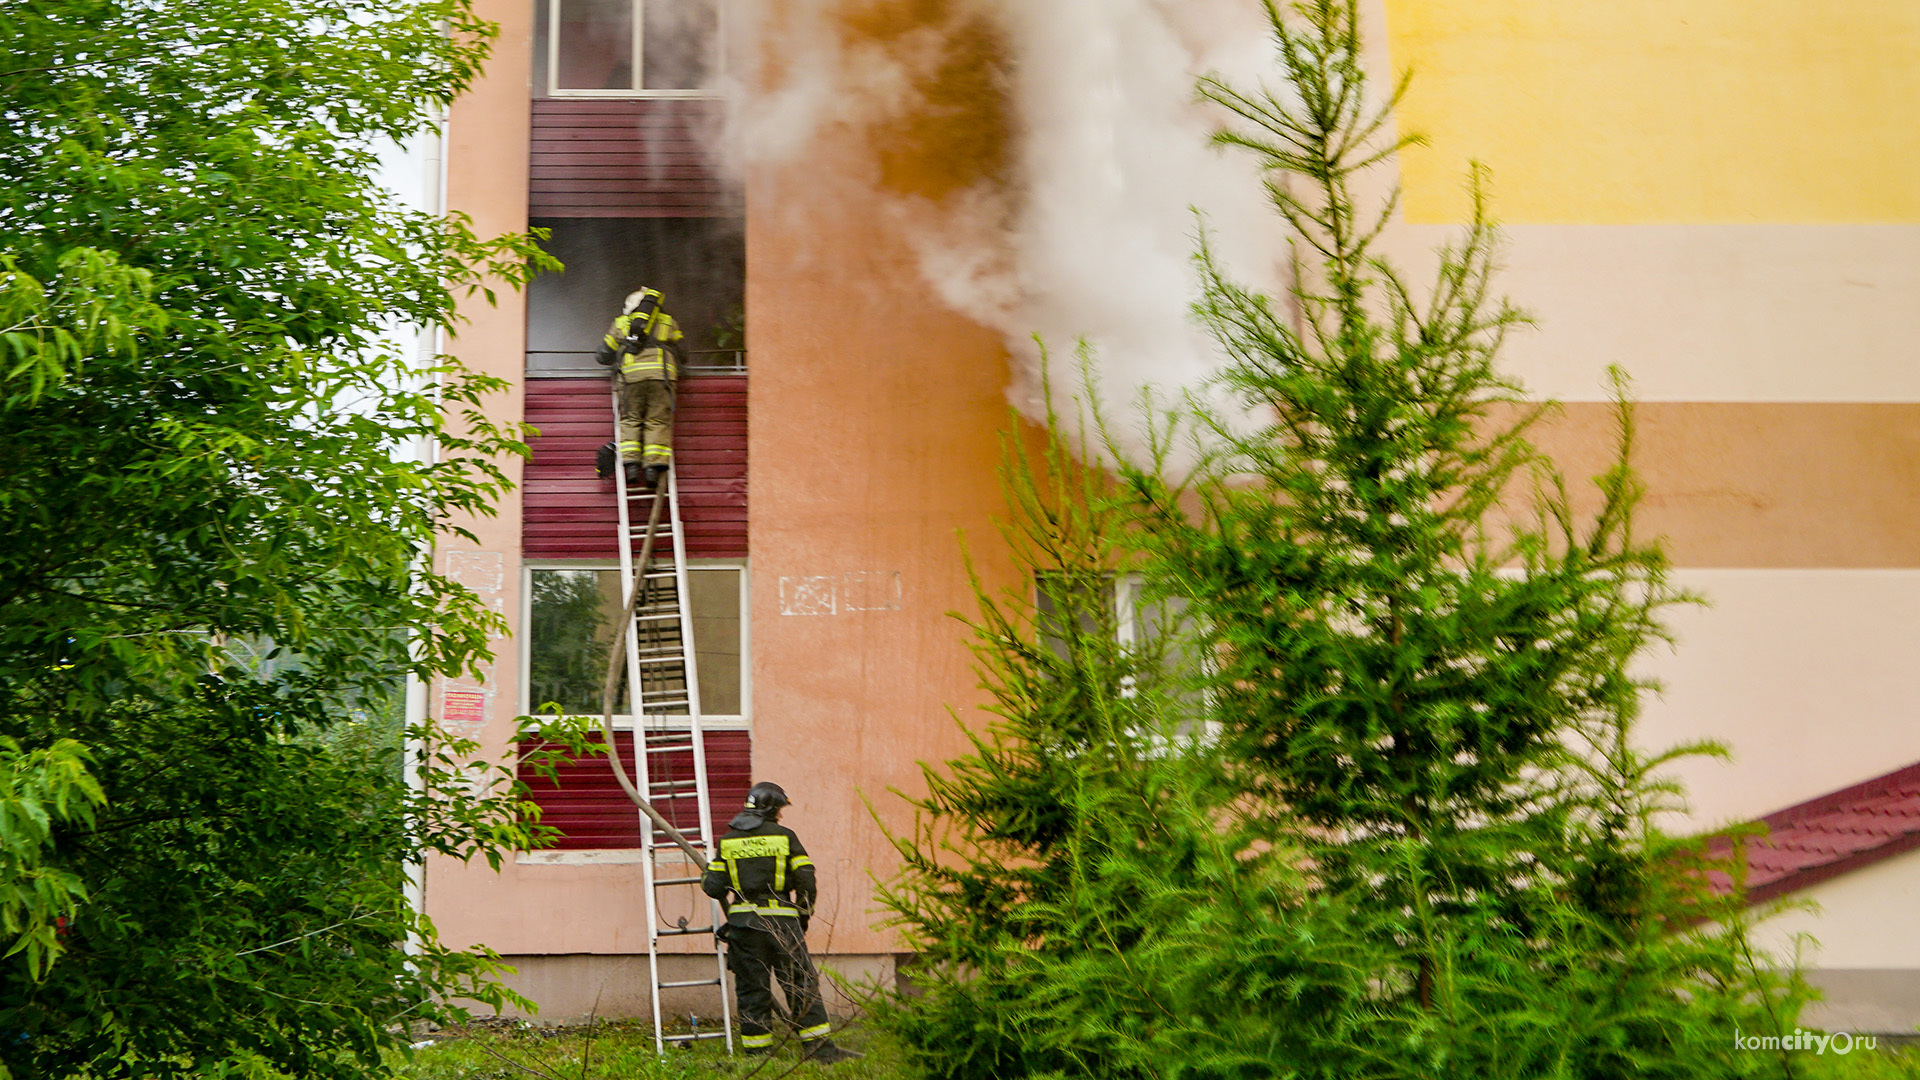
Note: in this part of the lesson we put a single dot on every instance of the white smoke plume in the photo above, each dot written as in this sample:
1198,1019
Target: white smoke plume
1090,235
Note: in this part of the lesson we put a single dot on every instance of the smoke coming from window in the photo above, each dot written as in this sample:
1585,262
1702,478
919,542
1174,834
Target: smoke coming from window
1045,159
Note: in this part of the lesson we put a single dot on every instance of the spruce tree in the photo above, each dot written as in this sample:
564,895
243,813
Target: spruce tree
1423,841
1085,829
1420,653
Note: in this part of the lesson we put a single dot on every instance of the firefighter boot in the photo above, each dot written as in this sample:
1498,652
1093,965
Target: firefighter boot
655,474
637,476
826,1053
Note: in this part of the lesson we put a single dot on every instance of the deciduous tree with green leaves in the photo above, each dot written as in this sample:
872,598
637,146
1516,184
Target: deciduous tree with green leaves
1430,846
203,428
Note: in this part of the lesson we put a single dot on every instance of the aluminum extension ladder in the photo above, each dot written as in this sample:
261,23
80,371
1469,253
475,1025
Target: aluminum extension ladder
664,688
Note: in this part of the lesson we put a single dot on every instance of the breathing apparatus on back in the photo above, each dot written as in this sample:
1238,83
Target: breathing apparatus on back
647,320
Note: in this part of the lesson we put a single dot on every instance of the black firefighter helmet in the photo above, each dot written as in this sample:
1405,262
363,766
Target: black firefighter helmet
764,801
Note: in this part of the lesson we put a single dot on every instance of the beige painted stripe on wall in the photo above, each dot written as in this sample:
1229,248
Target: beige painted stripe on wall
1807,675
1866,920
1706,312
1733,484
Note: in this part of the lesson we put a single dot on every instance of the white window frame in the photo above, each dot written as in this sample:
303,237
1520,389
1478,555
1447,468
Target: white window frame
1123,590
624,721
553,88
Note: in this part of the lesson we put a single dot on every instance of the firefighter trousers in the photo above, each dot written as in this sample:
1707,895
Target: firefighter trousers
758,957
646,420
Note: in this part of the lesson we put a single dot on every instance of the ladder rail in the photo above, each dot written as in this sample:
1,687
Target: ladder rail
651,738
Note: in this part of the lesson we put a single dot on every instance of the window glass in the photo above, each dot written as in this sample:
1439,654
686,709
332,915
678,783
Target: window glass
1057,597
591,46
1163,624
1118,602
569,631
594,48
571,626
716,633
680,44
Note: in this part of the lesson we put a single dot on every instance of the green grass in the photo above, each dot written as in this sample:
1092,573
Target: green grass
1901,1063
624,1051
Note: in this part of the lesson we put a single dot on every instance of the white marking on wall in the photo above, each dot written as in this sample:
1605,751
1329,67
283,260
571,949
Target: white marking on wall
467,700
841,594
482,571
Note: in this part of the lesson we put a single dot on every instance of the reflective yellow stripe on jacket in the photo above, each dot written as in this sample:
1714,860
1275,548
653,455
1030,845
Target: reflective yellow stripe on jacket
649,362
777,848
771,907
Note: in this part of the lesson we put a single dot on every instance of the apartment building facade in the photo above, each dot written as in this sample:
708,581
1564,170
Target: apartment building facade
1717,199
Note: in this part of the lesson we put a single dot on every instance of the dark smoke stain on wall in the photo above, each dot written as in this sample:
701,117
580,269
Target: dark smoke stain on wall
957,131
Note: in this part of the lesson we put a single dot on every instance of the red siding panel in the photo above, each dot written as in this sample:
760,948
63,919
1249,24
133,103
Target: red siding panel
568,513
627,158
591,811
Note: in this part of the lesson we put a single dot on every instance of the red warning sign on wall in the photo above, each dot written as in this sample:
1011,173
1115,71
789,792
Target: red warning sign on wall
463,707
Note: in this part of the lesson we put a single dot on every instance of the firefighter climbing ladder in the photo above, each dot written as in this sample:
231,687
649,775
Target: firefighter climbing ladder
664,687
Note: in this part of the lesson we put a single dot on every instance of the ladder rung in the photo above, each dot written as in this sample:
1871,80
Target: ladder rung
662,654
695,1035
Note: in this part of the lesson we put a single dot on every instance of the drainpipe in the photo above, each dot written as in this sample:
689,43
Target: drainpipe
429,344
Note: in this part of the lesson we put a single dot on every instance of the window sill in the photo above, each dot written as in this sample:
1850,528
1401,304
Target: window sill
636,95
668,856
676,722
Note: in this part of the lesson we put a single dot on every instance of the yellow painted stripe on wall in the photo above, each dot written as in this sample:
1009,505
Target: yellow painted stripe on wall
1669,111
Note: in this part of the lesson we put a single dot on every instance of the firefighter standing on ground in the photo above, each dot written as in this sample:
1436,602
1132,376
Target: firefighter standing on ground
771,881
645,342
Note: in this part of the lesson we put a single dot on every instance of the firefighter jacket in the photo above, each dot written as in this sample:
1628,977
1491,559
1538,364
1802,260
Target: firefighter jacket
655,358
767,872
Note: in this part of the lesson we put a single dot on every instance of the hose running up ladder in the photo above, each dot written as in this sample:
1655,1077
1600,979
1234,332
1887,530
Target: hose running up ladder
662,686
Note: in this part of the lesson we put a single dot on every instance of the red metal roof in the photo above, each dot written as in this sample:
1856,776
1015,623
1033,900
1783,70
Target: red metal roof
591,811
568,513
627,157
1822,838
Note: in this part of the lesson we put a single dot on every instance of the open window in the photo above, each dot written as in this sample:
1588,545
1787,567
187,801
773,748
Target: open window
699,263
573,611
627,48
